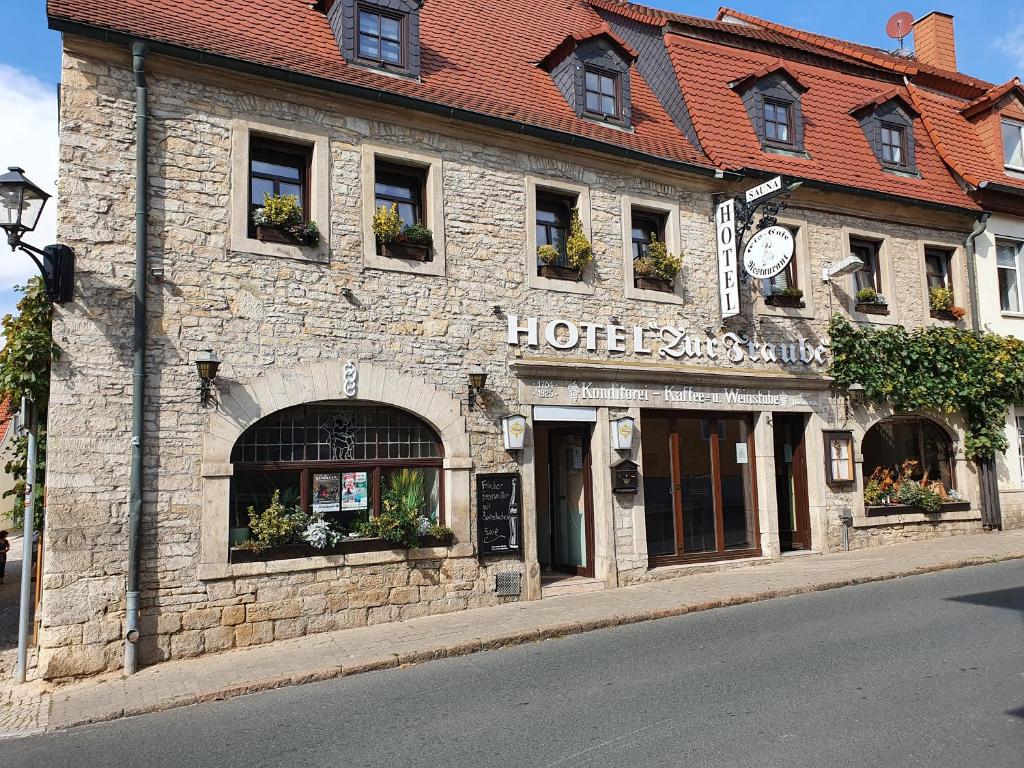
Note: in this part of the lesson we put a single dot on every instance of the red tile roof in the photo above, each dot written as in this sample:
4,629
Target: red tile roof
7,414
839,151
465,64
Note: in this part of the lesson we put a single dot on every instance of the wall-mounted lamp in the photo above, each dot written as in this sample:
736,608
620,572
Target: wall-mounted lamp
21,206
477,380
207,364
513,431
622,433
854,397
847,266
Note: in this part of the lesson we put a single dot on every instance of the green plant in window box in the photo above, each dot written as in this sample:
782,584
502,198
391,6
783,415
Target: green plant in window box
280,219
789,293
275,526
547,254
387,224
869,296
666,265
940,298
400,520
578,250
417,234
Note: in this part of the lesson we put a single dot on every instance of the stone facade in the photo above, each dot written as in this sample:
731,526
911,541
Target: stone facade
283,327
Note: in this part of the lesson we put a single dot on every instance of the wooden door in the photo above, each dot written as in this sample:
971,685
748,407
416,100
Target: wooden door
791,482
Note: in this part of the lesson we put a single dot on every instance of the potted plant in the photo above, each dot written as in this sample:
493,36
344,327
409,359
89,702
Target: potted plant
785,297
940,304
871,302
280,220
397,240
888,492
657,269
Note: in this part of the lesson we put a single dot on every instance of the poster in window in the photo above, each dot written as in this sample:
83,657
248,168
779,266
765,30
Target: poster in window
354,494
326,492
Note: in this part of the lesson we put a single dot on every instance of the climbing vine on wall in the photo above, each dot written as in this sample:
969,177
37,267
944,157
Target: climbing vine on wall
936,368
25,371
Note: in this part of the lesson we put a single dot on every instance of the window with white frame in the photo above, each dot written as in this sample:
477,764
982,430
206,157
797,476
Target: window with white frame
1008,263
1013,145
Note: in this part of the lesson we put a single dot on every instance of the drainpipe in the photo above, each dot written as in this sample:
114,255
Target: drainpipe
988,479
131,621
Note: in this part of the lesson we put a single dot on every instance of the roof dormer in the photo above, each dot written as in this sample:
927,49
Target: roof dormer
771,97
592,72
382,34
888,125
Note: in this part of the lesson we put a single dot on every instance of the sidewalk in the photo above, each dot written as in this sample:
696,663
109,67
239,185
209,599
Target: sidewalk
34,708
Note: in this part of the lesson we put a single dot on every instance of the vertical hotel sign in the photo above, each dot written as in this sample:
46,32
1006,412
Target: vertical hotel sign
725,240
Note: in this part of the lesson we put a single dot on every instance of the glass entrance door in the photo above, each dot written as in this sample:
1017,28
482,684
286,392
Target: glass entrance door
698,487
570,501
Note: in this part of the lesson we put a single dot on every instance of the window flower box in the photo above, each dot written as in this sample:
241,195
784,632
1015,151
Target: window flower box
269,234
781,300
654,284
909,509
943,314
872,307
556,272
344,547
406,251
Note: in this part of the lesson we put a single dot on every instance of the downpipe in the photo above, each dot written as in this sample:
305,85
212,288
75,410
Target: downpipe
131,622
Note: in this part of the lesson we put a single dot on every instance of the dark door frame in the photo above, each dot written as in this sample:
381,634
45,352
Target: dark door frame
720,553
584,431
801,537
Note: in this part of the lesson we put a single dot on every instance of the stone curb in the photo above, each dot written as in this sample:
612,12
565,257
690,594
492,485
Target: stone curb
392,661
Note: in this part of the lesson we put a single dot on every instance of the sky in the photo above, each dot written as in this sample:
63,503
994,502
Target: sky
989,41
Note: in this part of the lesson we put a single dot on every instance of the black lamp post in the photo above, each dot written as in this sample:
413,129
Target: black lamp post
207,364
21,205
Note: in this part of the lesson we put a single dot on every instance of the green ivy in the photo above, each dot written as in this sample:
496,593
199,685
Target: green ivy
25,371
942,369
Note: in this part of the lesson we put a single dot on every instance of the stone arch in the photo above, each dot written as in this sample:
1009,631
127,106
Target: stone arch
241,404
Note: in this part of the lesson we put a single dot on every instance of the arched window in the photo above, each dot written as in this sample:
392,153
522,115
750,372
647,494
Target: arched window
891,442
332,457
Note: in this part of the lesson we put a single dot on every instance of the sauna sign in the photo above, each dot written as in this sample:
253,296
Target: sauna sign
665,341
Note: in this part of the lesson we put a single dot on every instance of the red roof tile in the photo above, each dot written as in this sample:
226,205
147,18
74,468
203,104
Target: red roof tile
465,64
990,97
7,413
839,151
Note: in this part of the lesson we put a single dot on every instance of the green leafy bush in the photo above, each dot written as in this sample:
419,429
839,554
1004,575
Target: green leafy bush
666,266
548,254
645,266
275,526
789,293
399,521
940,298
387,224
869,296
417,234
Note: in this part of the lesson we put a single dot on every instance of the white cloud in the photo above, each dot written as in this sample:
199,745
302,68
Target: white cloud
1012,44
28,138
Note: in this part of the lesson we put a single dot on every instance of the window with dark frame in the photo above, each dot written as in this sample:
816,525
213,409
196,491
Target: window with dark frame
892,441
938,267
380,37
335,458
601,93
277,168
870,275
401,185
894,145
778,122
644,225
554,212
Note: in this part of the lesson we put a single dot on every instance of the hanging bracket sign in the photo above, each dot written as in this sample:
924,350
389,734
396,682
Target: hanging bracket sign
768,252
725,240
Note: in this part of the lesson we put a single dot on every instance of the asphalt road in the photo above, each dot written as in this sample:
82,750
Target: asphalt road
923,671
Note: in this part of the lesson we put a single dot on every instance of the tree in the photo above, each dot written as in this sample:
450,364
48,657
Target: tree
25,372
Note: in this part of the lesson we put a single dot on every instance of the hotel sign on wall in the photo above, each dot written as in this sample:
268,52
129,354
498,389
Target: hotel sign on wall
664,341
588,393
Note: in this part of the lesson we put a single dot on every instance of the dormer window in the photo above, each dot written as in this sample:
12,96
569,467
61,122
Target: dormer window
601,93
1013,145
894,145
382,34
778,122
380,37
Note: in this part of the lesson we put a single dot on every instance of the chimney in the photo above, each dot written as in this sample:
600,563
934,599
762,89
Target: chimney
933,40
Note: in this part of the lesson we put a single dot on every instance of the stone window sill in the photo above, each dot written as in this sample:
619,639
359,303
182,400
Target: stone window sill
217,571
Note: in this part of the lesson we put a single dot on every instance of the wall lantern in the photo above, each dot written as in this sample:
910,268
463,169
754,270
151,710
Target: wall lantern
21,205
477,380
854,397
622,433
513,430
207,364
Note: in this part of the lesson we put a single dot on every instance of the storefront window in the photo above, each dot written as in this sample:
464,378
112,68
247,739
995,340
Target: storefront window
334,459
698,487
890,443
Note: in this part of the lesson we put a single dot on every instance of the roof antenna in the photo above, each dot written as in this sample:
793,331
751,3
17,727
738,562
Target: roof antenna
898,27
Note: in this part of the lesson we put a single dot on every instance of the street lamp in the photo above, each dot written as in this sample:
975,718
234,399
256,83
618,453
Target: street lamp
21,205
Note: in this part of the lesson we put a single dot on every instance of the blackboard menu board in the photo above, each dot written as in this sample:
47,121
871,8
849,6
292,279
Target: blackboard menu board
498,501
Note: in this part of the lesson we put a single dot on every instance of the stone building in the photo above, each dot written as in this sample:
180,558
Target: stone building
347,361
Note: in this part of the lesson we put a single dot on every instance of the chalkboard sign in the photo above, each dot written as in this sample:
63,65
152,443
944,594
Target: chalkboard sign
498,501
